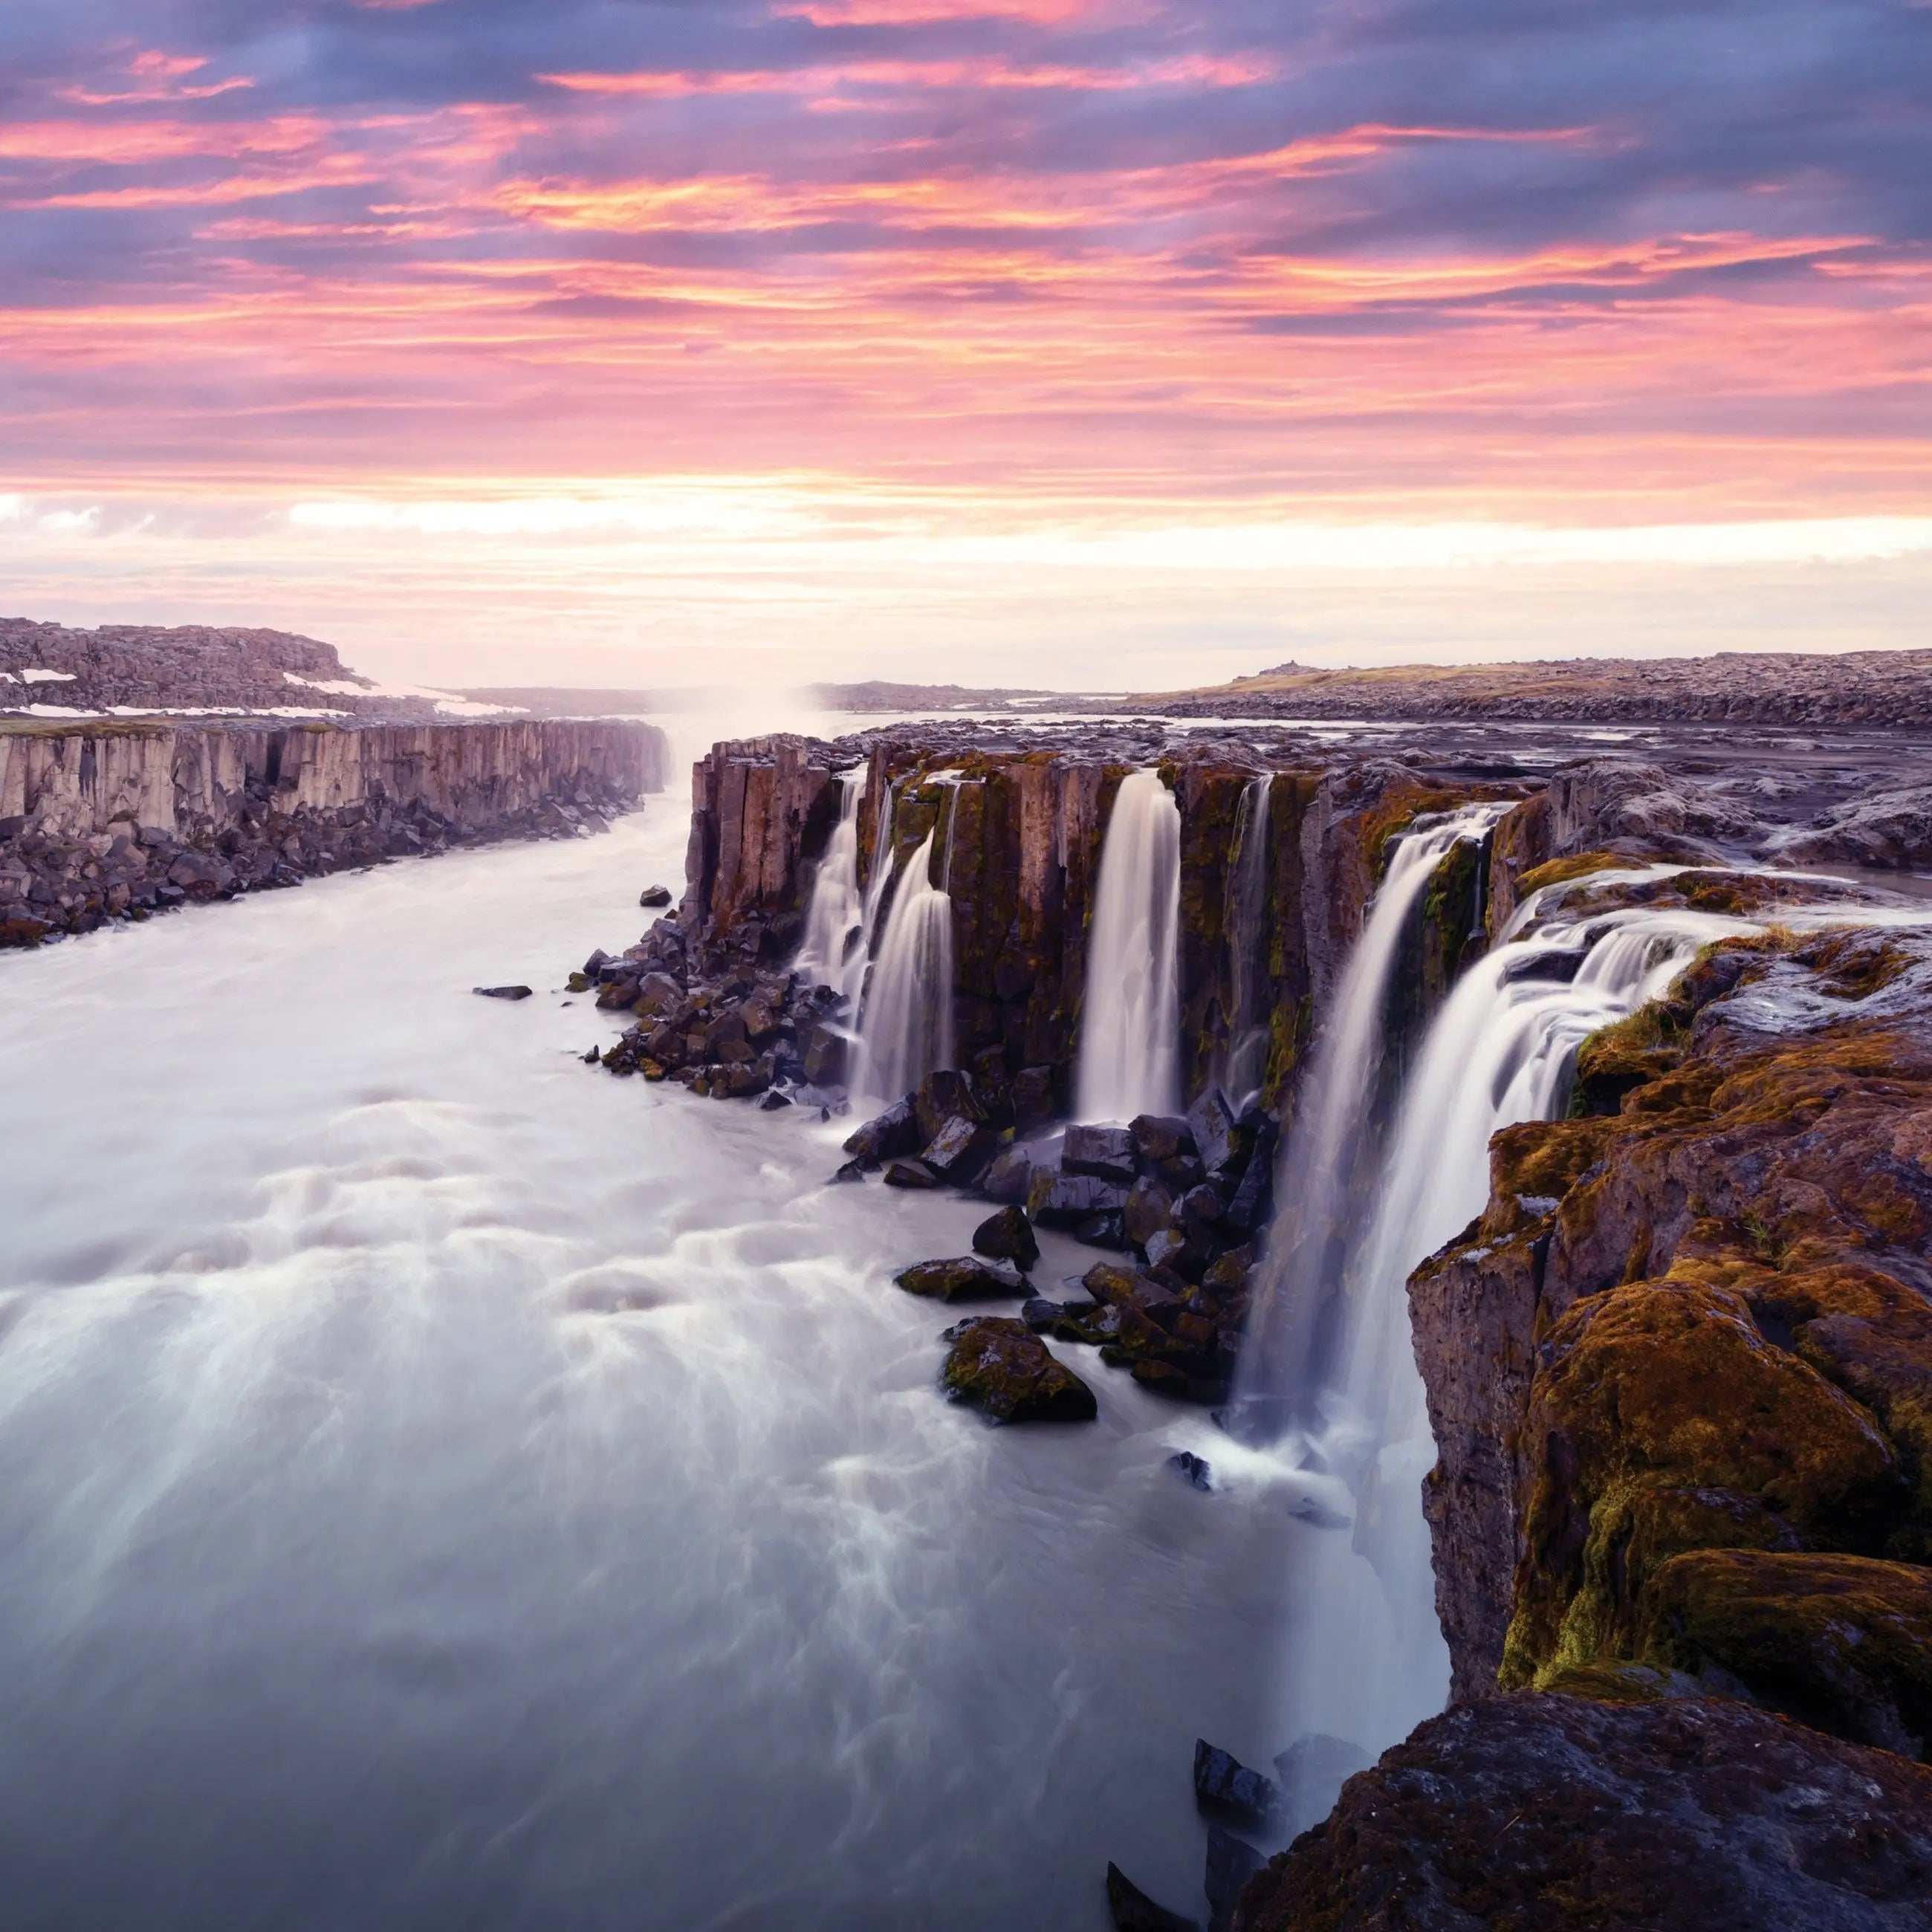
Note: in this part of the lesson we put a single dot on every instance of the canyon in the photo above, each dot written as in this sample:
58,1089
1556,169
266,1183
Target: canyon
144,791
1675,1371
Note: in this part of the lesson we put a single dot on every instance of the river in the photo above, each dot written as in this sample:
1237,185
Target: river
441,1485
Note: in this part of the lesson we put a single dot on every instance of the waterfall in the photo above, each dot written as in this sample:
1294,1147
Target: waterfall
1365,1659
906,1030
1246,922
1129,1060
1319,1183
833,952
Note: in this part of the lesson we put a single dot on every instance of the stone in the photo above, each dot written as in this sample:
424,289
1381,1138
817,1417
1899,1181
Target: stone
1159,1137
886,1135
658,993
826,1056
946,1095
1225,1787
910,1174
1133,1911
1192,1469
1148,1209
773,1101
1102,1231
1251,1206
1543,1812
1058,1200
1106,1153
960,1151
1211,1121
1009,1176
502,992
999,1365
654,896
851,1170
965,1278
1231,1863
1168,1248
1198,1212
1007,1236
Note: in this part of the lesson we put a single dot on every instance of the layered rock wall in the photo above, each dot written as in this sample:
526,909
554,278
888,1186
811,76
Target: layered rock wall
97,821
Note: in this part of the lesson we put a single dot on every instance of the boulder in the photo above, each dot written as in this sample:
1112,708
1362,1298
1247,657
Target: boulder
1009,1176
1192,1469
1211,1121
1032,1097
1106,1153
1149,1206
998,1365
886,1135
910,1174
1159,1137
1007,1236
946,1095
654,895
826,1053
1226,1788
1058,1200
502,992
960,1151
1231,1863
965,1278
1544,1812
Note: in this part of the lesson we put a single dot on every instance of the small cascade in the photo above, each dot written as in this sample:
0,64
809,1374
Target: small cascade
833,951
1129,1059
907,1029
1247,925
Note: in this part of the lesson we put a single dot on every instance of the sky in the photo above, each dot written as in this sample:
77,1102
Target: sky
1108,343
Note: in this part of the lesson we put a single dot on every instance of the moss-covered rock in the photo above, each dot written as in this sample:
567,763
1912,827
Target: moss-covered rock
1843,1642
1000,1366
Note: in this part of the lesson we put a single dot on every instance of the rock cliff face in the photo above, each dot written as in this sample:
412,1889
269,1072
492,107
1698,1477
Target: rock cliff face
1018,829
99,821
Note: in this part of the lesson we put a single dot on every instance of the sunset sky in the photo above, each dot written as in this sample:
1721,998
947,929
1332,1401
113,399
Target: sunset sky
1115,342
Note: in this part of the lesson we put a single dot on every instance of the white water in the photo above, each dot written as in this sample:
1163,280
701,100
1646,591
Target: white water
445,1485
907,1031
1245,923
833,950
1129,1060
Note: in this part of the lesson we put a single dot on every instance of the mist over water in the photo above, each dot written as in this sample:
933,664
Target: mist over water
442,1484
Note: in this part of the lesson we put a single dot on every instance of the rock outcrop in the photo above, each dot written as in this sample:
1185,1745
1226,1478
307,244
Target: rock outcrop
105,821
1547,1813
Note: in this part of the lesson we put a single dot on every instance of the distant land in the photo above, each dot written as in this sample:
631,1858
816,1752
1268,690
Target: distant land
1789,687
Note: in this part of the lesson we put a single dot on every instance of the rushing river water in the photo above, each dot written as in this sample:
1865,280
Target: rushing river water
442,1485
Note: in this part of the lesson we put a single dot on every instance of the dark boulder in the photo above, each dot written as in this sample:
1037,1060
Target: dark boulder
1227,1788
960,1151
1231,1863
1211,1121
502,992
946,1095
1193,1469
1009,1176
965,1278
1133,1911
1007,1236
1105,1153
1149,1206
886,1135
910,1174
1543,1812
1159,1137
1000,1366
827,1054
654,896
1058,1200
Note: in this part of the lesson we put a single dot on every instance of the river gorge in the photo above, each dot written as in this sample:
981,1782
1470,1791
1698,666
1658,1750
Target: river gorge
451,1485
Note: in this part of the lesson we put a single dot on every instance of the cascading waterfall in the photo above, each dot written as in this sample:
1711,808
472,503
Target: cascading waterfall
835,925
1129,1060
1367,1660
906,1032
1291,1344
1247,925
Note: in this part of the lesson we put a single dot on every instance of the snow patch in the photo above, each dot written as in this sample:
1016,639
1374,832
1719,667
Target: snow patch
30,675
